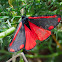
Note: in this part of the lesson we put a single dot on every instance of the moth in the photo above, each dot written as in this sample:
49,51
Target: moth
31,29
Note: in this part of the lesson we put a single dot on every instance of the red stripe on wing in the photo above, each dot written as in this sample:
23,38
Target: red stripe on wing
51,27
12,50
21,46
20,24
42,17
59,19
30,39
41,33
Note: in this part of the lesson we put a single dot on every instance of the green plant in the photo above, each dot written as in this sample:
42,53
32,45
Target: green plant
49,50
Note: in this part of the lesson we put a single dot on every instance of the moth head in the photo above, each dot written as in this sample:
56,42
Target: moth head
24,19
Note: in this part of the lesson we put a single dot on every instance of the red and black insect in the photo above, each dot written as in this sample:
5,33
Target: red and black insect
31,29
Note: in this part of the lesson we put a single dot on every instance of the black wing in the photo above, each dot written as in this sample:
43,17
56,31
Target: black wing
18,41
47,22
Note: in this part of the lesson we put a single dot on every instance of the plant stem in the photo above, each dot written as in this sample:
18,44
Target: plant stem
7,32
58,44
14,59
20,54
5,52
44,56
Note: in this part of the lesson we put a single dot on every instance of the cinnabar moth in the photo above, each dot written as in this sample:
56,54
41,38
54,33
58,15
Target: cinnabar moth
31,29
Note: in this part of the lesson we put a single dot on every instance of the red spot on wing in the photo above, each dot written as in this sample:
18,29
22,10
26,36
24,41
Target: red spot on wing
30,38
59,19
42,17
12,50
41,33
20,24
51,27
21,46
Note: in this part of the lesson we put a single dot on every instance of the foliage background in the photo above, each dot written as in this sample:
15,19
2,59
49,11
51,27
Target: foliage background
49,50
